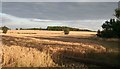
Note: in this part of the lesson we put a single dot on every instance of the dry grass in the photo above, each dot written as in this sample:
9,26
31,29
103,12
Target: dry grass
22,48
0,52
17,56
51,33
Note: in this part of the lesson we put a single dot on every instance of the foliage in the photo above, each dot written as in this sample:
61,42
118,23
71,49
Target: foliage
33,29
5,29
111,28
55,28
99,33
16,28
117,13
61,28
66,31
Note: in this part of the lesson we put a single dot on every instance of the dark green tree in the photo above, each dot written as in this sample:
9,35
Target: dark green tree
66,31
16,28
111,28
99,33
5,29
117,13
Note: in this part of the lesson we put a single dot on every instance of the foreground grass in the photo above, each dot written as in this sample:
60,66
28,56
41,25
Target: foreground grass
17,56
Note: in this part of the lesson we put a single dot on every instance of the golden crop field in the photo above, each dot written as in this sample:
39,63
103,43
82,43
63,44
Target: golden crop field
38,48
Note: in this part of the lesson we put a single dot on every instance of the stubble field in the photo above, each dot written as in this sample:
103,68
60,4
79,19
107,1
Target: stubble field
35,48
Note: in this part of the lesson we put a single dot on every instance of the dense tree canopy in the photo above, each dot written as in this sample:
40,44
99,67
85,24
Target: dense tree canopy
111,28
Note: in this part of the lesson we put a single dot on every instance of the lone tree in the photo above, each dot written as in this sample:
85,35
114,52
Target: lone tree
5,29
66,30
111,28
16,28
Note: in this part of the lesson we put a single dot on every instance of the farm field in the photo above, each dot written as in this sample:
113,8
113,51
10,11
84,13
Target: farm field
38,48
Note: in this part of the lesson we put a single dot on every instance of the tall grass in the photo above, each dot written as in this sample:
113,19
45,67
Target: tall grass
17,56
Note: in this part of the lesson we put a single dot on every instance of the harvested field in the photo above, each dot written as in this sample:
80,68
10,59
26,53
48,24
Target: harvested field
34,48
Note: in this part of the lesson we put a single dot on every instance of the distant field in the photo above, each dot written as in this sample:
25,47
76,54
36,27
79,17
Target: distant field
51,33
37,48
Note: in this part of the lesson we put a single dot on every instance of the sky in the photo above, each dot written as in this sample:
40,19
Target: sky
60,10
60,0
89,15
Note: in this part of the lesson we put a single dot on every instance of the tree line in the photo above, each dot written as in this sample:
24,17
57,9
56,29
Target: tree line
61,28
50,28
54,28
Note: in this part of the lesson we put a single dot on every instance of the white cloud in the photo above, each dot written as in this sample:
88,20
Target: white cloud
16,22
40,20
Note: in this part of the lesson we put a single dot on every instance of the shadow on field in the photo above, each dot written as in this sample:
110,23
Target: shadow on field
26,42
18,41
87,60
88,40
24,52
68,58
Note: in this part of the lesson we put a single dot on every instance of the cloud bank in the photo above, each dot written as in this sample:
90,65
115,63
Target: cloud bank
60,10
17,22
